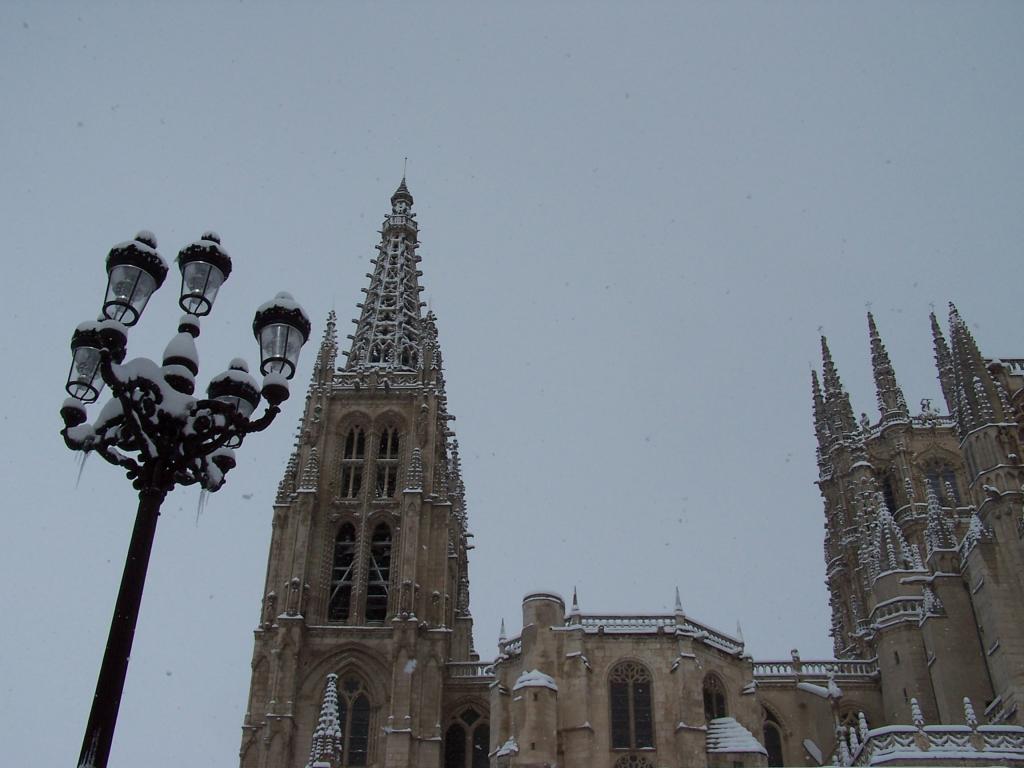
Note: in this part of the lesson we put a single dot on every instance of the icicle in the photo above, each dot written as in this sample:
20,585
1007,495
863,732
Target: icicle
80,459
204,497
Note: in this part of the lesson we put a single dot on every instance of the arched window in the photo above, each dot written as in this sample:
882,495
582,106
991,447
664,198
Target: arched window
339,605
354,717
352,459
387,464
467,741
714,698
942,480
379,574
408,357
631,706
773,739
888,492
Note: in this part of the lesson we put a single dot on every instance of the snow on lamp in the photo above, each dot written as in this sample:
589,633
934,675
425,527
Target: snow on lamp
87,343
236,389
134,271
204,268
281,327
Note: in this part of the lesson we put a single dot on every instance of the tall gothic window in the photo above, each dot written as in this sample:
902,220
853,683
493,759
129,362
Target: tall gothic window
942,480
632,711
387,464
773,739
888,492
352,460
354,716
339,605
467,741
379,574
714,698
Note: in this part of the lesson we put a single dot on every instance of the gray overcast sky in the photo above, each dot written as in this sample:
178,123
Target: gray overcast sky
635,218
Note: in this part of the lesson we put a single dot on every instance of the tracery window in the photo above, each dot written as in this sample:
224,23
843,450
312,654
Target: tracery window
387,464
467,741
354,717
714,698
773,739
632,761
378,582
352,460
339,604
632,714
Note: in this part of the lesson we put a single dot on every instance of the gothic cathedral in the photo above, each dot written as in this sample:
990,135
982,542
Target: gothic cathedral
364,650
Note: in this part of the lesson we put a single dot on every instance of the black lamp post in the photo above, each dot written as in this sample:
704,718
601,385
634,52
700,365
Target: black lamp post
154,428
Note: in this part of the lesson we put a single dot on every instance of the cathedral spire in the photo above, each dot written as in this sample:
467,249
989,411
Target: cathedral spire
944,365
977,398
891,403
838,411
389,331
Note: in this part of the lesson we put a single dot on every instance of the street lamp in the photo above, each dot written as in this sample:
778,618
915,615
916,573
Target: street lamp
153,427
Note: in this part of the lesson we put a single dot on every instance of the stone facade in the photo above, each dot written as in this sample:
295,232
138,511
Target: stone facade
364,653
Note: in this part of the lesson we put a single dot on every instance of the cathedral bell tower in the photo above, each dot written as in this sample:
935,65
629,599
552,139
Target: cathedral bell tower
366,605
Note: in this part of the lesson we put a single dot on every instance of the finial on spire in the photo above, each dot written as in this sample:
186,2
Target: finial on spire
679,604
575,602
501,632
401,194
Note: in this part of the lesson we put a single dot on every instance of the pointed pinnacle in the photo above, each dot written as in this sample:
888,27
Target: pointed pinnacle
887,391
501,632
679,602
829,372
575,602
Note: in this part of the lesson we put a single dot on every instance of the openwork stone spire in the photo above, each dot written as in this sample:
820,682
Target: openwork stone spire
891,403
838,411
944,365
389,332
977,398
326,747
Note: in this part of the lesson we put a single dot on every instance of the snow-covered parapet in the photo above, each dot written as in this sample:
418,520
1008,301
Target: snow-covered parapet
725,734
535,679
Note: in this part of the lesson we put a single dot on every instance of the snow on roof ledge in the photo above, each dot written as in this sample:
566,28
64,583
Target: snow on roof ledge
535,679
726,735
543,594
